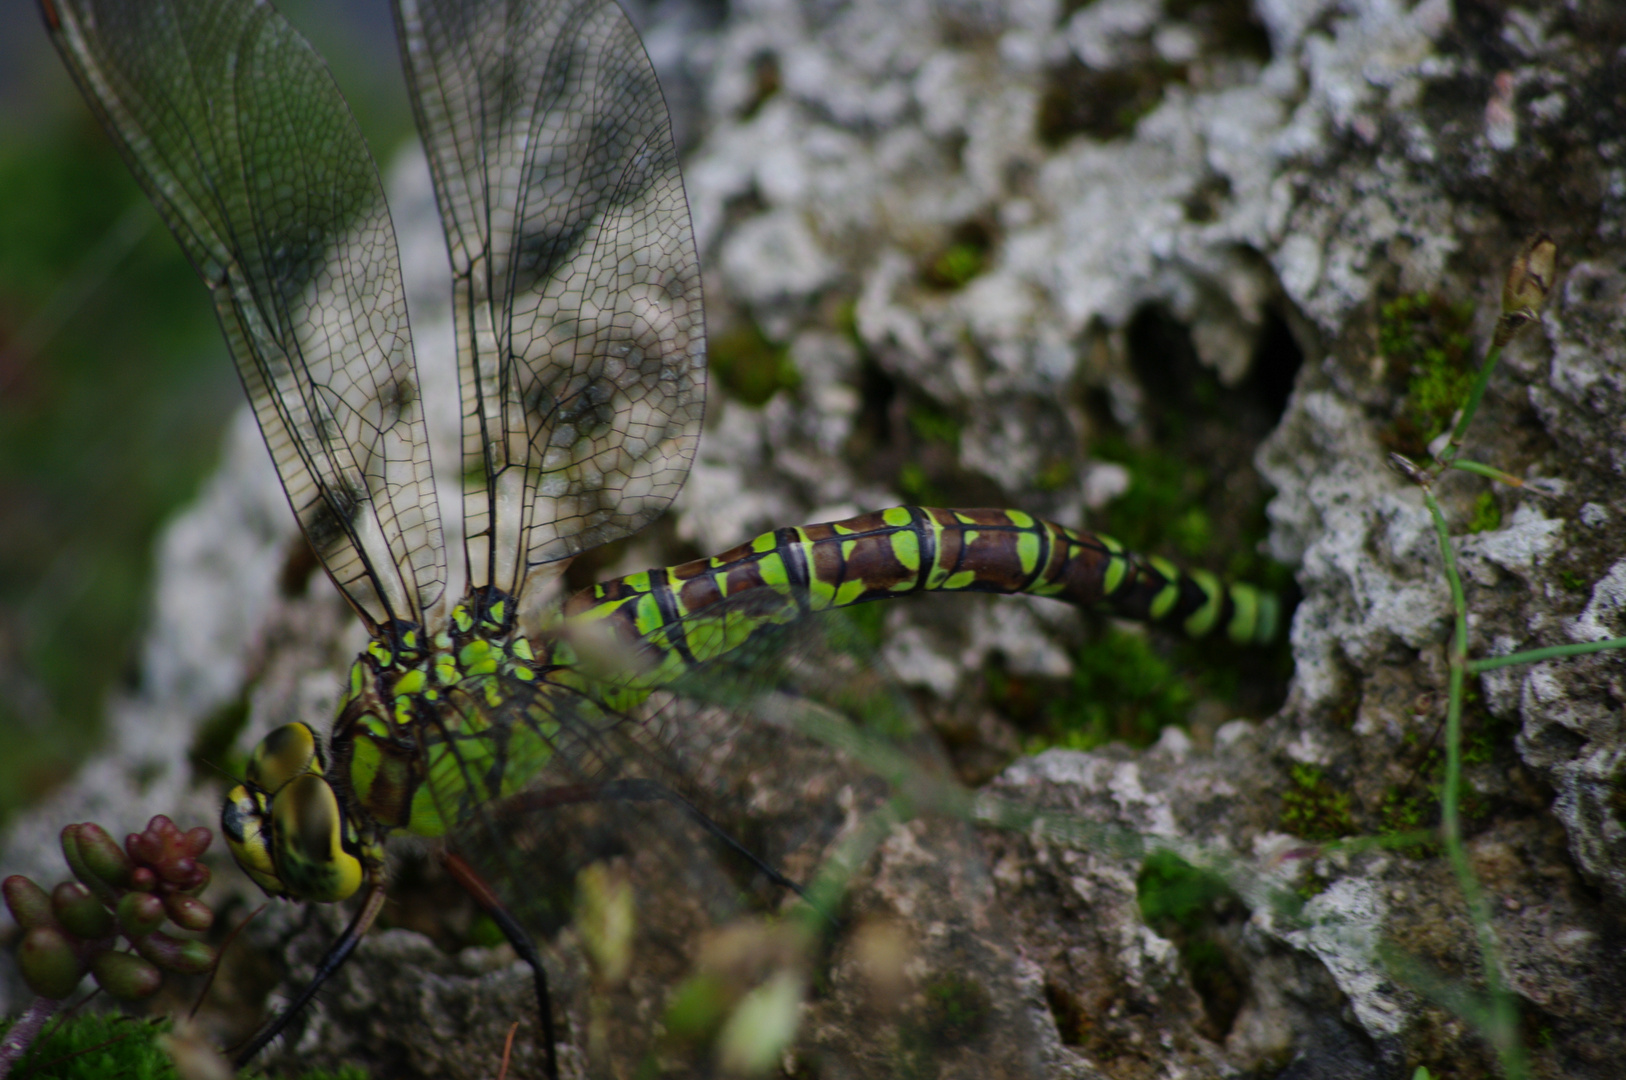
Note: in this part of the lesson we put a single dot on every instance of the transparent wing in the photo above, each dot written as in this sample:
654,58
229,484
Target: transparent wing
797,745
236,131
576,285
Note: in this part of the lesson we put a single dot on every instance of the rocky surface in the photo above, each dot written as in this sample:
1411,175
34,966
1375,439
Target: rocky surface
1012,215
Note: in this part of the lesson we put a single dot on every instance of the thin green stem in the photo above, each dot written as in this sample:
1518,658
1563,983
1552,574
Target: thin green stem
1533,656
1448,556
1490,472
1458,433
1503,1031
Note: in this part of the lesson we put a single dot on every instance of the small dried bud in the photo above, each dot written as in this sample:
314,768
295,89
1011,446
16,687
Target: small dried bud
1529,280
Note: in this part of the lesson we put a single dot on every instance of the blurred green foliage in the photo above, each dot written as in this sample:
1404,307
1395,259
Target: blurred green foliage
114,389
1121,689
1190,905
1486,515
96,1046
1163,505
750,367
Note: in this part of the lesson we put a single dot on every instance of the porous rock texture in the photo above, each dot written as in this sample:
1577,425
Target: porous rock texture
1247,182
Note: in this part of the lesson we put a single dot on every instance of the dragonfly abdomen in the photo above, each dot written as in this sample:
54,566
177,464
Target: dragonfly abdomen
690,613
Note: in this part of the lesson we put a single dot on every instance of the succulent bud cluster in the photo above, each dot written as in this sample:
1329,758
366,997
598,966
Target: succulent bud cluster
121,895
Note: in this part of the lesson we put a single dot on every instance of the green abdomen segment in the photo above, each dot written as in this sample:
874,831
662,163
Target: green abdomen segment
690,613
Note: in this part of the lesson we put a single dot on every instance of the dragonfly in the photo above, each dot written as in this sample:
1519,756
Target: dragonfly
581,367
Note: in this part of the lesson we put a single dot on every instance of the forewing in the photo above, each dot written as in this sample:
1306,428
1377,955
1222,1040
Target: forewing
235,129
576,285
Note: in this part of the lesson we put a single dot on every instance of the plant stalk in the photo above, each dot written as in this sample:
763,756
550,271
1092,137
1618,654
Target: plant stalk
24,1032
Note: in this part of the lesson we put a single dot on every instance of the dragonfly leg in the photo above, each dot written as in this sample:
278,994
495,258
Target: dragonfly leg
337,954
466,876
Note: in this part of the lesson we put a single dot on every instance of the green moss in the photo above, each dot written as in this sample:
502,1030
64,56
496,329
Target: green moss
1187,905
1162,503
94,1046
1172,891
858,630
1192,532
1426,343
1311,885
749,366
485,932
846,321
956,266
1055,476
1573,581
1486,515
933,424
1406,810
937,437
1484,734
957,1009
1313,807
918,488
1120,690
963,258
1403,810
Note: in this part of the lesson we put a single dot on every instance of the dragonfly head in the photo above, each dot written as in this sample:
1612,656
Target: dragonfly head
287,827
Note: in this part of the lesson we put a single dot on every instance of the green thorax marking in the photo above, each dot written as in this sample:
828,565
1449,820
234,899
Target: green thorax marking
454,710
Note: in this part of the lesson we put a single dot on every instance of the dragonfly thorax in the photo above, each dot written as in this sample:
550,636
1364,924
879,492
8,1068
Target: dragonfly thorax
310,825
408,699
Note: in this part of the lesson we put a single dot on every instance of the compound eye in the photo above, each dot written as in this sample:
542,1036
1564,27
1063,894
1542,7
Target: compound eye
314,842
285,753
243,820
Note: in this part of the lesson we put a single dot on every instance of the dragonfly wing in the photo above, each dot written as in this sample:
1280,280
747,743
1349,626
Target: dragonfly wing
576,284
796,744
235,129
